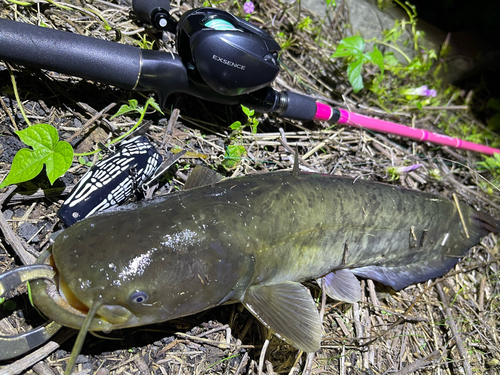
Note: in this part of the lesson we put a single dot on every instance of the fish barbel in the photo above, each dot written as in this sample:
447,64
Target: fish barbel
254,240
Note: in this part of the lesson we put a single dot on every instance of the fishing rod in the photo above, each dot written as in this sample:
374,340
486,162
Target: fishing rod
221,58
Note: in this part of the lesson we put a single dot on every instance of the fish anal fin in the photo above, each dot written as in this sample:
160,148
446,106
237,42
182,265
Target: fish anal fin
202,176
289,311
399,277
341,285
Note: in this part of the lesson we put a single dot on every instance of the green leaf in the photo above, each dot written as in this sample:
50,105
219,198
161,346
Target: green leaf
254,125
376,58
354,75
235,125
493,103
390,60
233,155
151,101
494,121
84,161
247,111
351,46
47,149
126,108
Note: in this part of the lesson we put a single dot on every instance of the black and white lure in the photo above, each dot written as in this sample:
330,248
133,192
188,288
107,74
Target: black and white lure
112,181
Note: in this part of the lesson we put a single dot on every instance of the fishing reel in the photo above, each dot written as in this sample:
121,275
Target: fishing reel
228,54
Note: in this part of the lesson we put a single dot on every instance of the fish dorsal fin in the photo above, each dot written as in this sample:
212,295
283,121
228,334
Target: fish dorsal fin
296,169
289,311
342,285
202,176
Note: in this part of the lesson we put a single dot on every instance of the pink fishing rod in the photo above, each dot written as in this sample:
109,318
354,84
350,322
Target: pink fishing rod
341,116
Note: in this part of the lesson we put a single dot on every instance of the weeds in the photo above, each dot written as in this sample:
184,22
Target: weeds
46,149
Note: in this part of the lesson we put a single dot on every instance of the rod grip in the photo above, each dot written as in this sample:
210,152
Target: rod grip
72,54
299,107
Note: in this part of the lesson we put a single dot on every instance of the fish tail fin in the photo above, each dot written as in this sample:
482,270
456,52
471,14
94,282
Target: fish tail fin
485,223
443,253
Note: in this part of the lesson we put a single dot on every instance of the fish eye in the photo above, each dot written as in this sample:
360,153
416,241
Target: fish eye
139,297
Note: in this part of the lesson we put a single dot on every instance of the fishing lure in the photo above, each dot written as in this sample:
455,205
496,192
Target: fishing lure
112,181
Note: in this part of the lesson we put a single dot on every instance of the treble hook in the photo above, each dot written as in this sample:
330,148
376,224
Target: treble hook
13,346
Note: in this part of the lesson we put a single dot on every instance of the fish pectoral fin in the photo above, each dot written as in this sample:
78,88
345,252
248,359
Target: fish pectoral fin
289,311
341,285
202,176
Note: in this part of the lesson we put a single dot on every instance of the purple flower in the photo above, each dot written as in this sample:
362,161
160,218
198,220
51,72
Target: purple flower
248,7
394,172
407,169
421,91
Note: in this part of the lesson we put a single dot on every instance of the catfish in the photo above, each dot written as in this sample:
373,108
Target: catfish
253,240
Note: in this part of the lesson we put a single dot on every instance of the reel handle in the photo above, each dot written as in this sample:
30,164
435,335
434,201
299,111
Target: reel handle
155,13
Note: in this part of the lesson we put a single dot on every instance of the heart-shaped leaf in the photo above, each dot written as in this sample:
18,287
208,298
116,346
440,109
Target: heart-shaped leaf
46,149
354,74
350,46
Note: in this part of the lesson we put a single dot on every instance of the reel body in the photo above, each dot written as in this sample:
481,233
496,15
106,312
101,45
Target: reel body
232,56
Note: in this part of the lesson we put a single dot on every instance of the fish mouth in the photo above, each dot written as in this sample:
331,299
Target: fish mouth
57,302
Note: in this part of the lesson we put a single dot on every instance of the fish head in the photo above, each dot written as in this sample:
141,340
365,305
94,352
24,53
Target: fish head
140,277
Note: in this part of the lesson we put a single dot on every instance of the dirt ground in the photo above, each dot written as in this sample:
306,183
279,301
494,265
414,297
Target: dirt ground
443,326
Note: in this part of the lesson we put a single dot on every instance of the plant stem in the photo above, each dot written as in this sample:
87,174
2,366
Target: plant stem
391,46
142,112
22,3
16,93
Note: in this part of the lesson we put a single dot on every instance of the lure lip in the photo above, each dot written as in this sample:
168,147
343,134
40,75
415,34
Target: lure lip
47,298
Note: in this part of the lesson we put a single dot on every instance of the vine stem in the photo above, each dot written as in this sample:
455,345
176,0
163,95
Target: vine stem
141,118
391,46
16,94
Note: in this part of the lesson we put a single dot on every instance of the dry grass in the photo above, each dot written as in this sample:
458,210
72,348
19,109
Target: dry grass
445,326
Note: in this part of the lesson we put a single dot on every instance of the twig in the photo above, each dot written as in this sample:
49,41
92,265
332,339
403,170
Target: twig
456,333
26,362
440,108
222,345
216,329
310,356
284,143
262,356
9,114
5,195
242,363
169,131
480,301
460,214
41,368
40,193
15,242
91,121
418,364
309,363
